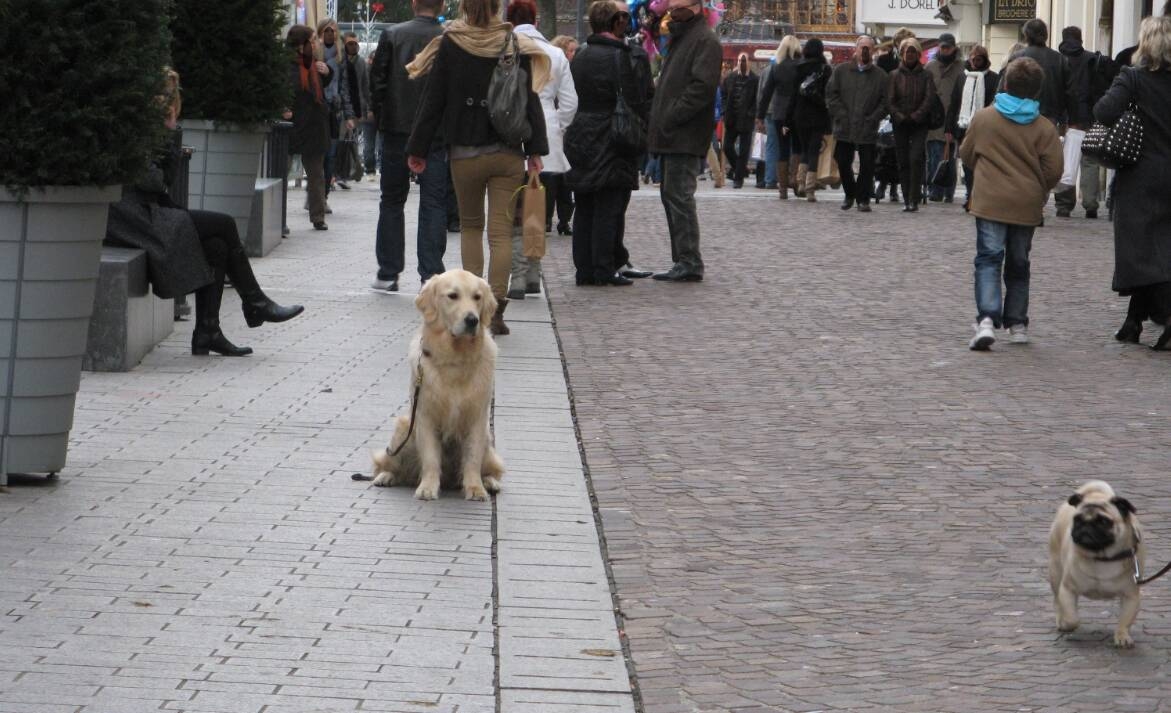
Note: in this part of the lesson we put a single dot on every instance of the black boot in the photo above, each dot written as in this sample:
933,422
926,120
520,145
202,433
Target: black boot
1136,314
207,336
258,308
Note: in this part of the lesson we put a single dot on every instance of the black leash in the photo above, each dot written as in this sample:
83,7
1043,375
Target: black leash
1156,575
410,428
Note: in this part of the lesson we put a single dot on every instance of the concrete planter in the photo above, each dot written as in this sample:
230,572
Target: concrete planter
224,168
50,247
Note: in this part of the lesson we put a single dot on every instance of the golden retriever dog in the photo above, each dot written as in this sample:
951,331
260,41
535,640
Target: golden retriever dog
450,445
1094,544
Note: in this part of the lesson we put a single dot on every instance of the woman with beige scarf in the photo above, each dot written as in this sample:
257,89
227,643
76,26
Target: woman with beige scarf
459,65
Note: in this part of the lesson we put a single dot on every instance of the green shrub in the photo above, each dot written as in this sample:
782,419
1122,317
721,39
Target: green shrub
78,88
231,59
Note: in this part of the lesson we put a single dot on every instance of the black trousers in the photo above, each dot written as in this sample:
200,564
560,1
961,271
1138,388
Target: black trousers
911,151
557,195
857,190
597,230
737,146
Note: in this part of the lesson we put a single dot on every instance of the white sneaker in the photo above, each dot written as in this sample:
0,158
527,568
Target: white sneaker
985,336
1018,334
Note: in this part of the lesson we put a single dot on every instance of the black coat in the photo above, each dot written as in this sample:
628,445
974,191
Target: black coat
1059,96
455,101
394,97
809,113
683,117
775,90
739,94
598,69
951,123
147,218
1081,67
311,120
1142,193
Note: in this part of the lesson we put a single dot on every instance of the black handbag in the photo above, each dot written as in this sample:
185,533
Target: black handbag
811,86
1117,146
627,129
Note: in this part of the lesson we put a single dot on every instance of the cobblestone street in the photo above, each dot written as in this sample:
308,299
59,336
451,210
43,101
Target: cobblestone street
816,498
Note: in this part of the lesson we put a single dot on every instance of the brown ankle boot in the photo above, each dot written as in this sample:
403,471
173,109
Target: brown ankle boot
800,183
497,326
783,183
811,186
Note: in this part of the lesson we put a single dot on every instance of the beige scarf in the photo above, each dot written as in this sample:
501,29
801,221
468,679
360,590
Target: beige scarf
484,42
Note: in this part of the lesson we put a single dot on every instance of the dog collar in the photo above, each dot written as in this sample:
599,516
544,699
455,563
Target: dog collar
1125,554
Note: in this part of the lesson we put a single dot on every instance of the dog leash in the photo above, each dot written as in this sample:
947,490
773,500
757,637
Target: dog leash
410,428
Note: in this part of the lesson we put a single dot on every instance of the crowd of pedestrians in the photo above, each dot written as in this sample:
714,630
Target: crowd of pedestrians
889,121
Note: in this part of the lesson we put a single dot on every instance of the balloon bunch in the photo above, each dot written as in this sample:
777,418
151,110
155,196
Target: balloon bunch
651,18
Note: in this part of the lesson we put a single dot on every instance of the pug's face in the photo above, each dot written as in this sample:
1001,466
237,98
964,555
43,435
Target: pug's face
1099,523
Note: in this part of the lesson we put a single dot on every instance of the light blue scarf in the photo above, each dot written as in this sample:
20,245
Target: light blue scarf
1022,111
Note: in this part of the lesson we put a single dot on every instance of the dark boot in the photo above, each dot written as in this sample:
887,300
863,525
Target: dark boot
207,336
258,308
497,325
1136,314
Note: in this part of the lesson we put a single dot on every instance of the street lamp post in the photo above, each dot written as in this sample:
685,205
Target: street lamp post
580,21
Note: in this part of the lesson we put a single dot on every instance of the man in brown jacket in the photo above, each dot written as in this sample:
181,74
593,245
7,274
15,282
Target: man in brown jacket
1016,160
682,120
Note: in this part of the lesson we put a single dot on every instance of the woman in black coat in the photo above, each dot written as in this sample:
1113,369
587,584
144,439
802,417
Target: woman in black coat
189,250
909,96
807,115
972,92
601,174
1142,201
310,116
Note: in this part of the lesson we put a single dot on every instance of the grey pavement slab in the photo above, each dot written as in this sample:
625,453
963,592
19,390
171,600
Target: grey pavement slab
206,550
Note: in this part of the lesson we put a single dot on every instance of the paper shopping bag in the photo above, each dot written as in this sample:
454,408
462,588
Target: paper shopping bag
533,217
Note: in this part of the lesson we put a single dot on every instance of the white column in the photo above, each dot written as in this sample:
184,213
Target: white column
1127,14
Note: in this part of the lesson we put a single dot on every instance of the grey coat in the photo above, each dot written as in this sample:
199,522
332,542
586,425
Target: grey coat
683,115
945,77
857,102
1142,197
147,219
775,90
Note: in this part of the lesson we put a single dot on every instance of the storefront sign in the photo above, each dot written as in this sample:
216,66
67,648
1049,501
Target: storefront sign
1015,11
919,13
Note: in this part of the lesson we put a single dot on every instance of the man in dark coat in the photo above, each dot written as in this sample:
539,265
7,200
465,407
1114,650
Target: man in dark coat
1058,94
1082,65
394,99
739,111
682,121
856,97
945,71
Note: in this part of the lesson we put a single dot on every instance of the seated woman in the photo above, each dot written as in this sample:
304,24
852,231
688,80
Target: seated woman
189,251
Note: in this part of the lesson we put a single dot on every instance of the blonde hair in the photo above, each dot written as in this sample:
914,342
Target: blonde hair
171,99
563,42
790,48
901,35
1154,44
339,45
479,13
910,42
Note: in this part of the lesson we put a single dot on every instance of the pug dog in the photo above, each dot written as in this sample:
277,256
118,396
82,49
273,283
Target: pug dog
1094,542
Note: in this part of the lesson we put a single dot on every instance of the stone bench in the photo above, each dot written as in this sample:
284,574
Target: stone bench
128,320
267,221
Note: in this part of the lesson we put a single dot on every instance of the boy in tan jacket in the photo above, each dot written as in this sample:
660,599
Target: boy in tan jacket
1015,160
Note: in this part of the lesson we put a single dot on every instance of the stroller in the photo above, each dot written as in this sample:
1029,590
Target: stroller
886,165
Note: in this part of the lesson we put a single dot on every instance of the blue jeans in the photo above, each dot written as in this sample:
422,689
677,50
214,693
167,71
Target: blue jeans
997,245
390,244
772,152
371,148
934,158
654,168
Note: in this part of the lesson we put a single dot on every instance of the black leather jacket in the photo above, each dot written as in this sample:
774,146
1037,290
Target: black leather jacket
393,96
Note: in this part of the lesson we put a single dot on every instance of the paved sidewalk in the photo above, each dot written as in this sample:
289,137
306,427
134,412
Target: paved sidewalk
206,550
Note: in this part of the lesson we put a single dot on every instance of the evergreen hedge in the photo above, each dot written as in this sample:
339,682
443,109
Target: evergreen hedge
78,90
231,59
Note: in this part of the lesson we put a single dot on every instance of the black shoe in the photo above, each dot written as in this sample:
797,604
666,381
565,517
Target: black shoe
320,225
532,288
265,310
614,280
771,186
863,207
911,208
737,184
935,199
761,186
453,227
204,342
583,281
848,204
949,200
1091,215
672,276
629,271
1063,212
342,185
516,293
1129,332
563,229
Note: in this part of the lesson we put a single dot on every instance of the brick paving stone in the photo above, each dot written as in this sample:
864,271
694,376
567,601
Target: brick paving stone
804,474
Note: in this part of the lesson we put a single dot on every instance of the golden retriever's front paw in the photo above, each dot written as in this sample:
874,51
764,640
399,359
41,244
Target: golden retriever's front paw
384,480
427,491
492,484
1122,640
475,492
